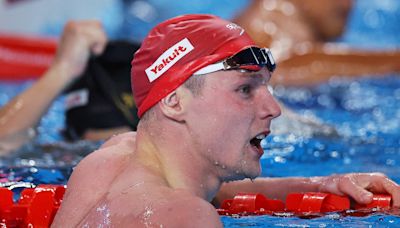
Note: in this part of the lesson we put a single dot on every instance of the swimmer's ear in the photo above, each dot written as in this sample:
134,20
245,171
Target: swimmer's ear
171,106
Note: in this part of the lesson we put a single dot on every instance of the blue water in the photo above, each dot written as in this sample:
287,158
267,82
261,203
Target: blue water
377,220
365,111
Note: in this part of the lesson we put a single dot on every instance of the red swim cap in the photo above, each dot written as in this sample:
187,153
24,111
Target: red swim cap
177,48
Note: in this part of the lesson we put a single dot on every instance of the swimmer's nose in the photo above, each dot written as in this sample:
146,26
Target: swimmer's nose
269,107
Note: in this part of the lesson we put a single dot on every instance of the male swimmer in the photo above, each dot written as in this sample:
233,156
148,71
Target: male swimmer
200,84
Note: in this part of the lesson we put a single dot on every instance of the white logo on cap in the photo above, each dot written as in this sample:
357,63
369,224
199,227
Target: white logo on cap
76,99
233,26
168,59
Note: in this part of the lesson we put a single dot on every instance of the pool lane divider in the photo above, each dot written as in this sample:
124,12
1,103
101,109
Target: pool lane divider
300,204
25,57
37,206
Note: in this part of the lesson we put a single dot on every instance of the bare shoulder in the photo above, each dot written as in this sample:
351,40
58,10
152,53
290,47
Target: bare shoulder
111,156
96,171
186,211
124,138
195,212
153,211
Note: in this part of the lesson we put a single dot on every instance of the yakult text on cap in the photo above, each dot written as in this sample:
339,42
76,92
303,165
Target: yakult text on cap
168,59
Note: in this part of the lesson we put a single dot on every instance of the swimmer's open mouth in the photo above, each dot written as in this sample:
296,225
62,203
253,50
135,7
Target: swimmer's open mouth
256,141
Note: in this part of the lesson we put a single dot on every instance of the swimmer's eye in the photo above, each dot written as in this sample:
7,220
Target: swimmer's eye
245,90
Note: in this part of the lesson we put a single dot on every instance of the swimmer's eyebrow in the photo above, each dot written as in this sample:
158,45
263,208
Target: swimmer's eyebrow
256,76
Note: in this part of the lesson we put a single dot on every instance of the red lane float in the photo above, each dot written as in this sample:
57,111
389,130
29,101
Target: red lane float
36,207
316,202
378,201
25,57
251,204
297,203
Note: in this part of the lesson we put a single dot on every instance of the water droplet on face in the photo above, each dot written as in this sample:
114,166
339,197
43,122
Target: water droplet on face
216,163
223,167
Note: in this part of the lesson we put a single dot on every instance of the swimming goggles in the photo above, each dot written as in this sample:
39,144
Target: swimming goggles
252,56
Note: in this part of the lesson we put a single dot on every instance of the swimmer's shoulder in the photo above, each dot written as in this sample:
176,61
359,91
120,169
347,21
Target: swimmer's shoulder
111,156
113,150
161,206
128,138
192,211
92,177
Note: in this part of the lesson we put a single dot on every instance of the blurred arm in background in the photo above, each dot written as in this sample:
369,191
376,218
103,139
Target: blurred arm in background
298,32
21,114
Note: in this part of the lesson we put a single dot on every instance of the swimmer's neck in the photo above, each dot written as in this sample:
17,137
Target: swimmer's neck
172,158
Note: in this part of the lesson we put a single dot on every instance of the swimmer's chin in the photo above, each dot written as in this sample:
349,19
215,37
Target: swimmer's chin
243,176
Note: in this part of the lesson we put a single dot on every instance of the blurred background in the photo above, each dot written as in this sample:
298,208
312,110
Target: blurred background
370,20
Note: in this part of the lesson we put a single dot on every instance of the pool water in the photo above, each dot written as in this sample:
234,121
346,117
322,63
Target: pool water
365,111
332,220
